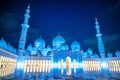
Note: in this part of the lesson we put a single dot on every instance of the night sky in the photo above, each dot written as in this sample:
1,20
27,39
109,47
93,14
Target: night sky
73,19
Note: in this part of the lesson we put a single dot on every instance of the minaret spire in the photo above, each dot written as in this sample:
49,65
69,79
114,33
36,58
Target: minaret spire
27,16
99,38
25,27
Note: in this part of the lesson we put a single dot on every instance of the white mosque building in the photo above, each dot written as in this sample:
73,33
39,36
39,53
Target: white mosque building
59,61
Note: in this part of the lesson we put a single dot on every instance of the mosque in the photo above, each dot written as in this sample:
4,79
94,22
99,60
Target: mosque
57,62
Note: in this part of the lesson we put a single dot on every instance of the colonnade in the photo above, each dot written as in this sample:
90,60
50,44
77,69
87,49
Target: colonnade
114,66
37,66
7,66
70,66
92,66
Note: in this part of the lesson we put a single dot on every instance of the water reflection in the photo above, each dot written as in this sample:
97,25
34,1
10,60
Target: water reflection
10,73
42,70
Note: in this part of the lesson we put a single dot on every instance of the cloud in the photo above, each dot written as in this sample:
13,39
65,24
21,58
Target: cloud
107,39
32,34
111,38
10,21
112,9
90,41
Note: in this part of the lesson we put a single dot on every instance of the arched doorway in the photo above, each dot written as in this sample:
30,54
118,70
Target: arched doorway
68,65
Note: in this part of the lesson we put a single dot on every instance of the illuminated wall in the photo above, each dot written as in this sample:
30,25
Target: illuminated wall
8,60
114,65
92,65
61,63
37,66
7,66
69,66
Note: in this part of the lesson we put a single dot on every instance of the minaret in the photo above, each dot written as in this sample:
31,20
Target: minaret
25,27
99,38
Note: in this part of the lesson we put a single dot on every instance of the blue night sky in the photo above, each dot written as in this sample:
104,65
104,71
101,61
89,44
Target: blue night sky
73,19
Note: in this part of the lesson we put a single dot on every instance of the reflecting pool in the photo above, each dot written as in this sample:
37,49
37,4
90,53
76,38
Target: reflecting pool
11,72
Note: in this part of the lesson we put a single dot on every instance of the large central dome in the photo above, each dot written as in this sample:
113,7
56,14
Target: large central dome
58,40
39,43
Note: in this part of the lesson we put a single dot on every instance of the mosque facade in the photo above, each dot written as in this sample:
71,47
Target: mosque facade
57,61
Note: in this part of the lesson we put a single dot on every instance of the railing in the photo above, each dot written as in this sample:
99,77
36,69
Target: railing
113,65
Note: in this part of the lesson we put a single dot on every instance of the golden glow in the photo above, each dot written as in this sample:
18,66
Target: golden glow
7,66
34,65
74,65
62,66
93,66
46,65
37,66
68,65
114,65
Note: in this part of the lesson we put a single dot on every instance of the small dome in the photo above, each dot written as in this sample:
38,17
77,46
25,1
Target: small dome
90,52
64,47
117,54
29,47
109,55
48,48
95,55
10,48
75,46
57,41
3,43
39,43
14,50
84,54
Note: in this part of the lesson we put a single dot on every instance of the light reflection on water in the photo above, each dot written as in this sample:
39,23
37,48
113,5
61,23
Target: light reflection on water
11,73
